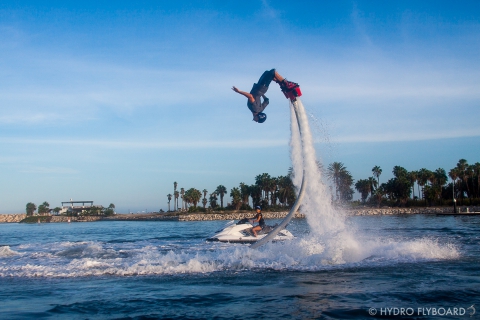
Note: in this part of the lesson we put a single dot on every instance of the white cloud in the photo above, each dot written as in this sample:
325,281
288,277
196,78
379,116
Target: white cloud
47,170
115,144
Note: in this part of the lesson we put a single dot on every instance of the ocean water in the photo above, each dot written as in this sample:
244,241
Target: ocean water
425,264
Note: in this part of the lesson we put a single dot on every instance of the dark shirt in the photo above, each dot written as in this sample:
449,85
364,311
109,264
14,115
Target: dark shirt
257,92
261,222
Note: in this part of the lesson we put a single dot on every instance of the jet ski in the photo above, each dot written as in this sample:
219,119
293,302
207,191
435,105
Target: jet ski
241,232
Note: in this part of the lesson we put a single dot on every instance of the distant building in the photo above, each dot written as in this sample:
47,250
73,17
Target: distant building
74,208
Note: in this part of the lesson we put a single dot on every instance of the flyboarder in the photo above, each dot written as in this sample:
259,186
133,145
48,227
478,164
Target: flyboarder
255,104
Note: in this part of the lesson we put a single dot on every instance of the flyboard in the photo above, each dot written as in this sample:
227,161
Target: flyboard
291,91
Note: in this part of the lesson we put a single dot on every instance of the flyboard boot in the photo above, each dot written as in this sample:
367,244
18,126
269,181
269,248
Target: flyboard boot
290,89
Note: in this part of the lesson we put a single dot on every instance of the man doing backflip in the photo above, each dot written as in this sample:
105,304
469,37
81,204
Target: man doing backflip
259,89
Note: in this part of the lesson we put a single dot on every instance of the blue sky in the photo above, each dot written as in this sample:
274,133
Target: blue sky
114,101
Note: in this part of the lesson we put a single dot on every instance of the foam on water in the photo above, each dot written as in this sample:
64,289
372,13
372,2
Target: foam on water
302,254
5,251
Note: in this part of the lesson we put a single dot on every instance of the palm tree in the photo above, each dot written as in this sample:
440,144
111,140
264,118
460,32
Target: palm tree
245,192
204,202
363,187
256,194
286,191
213,200
263,181
462,166
440,179
377,171
176,194
221,190
30,208
334,173
236,198
182,192
345,186
413,176
476,172
196,196
169,196
379,193
192,196
424,176
273,188
43,208
373,185
175,204
453,174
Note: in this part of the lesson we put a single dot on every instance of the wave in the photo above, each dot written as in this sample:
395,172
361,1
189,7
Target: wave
302,254
5,251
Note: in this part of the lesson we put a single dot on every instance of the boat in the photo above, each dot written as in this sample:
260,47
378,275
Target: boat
241,232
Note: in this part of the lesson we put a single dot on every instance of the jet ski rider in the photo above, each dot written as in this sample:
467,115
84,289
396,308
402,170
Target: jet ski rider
258,91
258,218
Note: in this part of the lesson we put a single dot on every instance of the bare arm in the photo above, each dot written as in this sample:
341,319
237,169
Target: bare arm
243,93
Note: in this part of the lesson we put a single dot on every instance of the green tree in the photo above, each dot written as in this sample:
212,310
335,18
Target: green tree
475,168
286,190
256,194
453,174
175,196
244,192
363,186
423,176
399,187
463,174
30,209
110,210
380,192
377,171
213,200
221,190
236,198
169,197
346,182
413,176
44,208
273,189
193,196
263,181
57,210
182,193
335,172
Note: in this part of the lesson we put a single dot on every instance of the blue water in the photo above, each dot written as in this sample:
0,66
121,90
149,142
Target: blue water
156,270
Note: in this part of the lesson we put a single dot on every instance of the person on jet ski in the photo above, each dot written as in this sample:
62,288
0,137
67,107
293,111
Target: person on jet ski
258,91
258,218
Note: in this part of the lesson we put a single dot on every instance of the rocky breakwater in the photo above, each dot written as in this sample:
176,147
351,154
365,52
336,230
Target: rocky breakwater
196,216
12,218
233,216
75,219
417,210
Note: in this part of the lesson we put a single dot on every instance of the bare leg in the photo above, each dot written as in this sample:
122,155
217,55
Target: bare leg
255,229
278,78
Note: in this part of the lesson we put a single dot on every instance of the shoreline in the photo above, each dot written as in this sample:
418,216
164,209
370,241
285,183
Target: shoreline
15,218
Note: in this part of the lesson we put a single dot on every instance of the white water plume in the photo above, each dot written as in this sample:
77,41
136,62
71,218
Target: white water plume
316,205
331,241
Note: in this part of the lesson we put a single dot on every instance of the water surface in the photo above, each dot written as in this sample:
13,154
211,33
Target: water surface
154,269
